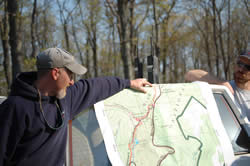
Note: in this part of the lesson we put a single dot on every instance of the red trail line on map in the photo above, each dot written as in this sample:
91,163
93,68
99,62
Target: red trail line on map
139,119
150,109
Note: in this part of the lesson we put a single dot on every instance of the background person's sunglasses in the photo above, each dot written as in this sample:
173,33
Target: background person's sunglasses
243,65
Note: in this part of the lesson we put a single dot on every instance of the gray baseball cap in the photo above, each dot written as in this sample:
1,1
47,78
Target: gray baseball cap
245,54
57,57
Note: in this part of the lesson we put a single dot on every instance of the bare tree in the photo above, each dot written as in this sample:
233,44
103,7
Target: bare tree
14,37
44,36
87,53
203,27
163,34
229,48
215,38
220,36
156,29
134,25
112,44
120,11
246,3
76,40
65,19
32,29
90,22
4,37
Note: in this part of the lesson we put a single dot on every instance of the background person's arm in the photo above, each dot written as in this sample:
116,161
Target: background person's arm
201,75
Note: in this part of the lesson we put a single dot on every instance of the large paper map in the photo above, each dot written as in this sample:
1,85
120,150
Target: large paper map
172,124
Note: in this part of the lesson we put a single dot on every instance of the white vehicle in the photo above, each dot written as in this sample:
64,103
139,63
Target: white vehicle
2,98
237,126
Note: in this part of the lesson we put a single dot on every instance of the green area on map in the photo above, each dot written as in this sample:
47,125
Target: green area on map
169,125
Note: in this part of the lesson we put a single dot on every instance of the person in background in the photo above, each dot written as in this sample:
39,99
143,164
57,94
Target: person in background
34,117
239,86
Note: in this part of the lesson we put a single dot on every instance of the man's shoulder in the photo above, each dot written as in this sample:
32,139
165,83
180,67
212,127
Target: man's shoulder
16,102
232,83
17,107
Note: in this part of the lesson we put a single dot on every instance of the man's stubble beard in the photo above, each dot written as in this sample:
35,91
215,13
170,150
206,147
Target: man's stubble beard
240,79
61,94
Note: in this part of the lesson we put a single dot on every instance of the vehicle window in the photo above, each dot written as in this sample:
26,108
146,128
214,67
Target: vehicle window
230,121
87,147
2,98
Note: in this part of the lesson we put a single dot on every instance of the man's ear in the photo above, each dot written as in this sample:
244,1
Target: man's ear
55,73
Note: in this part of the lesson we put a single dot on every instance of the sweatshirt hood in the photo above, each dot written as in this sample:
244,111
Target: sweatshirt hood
23,85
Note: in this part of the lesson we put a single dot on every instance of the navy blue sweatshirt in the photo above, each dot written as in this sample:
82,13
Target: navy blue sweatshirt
25,138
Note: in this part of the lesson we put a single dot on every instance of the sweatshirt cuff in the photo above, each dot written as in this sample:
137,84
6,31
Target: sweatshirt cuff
127,83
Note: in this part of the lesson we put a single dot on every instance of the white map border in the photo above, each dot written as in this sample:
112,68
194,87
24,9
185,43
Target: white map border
110,144
215,119
107,134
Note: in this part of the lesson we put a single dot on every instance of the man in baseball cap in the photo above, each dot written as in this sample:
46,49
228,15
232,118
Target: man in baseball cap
245,54
242,71
240,86
34,118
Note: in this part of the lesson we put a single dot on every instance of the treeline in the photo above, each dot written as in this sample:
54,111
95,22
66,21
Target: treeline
107,36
